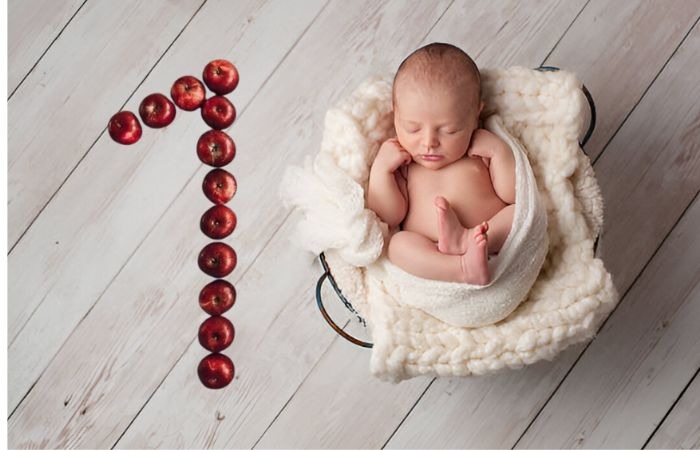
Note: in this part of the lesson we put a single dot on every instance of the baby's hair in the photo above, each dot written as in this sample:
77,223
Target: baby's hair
439,63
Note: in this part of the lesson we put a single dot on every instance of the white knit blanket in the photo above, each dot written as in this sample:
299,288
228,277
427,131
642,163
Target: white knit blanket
573,292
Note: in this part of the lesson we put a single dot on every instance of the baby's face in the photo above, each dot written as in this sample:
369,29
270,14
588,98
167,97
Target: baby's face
434,121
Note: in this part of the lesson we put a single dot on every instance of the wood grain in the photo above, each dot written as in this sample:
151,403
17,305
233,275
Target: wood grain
33,27
119,210
681,429
621,46
640,362
66,101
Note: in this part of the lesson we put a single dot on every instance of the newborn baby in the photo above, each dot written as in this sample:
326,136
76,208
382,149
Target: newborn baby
448,184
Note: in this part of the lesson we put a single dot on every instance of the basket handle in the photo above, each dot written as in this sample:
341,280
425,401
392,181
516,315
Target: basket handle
589,98
319,302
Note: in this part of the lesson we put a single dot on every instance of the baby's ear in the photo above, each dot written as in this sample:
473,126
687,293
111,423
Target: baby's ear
481,106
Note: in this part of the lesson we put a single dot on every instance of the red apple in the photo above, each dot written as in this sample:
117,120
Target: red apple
218,112
215,370
157,111
221,76
217,259
188,93
218,222
216,148
124,127
216,333
217,297
219,186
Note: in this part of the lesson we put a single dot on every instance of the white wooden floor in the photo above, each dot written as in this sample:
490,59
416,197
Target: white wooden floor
103,239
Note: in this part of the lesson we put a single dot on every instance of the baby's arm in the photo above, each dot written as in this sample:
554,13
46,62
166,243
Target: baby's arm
383,194
502,163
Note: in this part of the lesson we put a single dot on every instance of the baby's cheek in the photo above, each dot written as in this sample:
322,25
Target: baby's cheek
405,144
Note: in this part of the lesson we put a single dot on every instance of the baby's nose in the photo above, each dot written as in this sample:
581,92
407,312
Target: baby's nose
430,140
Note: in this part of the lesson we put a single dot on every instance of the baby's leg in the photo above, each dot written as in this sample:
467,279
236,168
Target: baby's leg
499,227
453,238
419,256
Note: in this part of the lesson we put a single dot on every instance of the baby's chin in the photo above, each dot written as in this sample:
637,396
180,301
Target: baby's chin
432,165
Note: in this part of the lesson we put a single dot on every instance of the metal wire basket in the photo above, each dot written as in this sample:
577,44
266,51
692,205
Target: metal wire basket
327,274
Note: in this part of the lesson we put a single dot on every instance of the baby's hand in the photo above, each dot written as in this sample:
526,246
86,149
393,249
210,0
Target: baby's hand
391,156
482,151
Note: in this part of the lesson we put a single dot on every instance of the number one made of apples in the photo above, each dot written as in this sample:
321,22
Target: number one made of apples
217,149
217,259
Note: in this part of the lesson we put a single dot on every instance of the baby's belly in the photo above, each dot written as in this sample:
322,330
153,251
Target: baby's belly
466,184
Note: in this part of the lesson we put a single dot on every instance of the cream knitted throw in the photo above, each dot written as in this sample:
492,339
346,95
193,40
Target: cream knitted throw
573,292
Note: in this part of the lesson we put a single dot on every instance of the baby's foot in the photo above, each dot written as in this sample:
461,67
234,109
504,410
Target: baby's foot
475,268
452,236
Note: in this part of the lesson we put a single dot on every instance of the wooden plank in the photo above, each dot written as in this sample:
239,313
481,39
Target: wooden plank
335,421
65,102
615,41
681,428
649,173
274,348
504,35
56,271
646,353
343,406
32,26
317,416
655,163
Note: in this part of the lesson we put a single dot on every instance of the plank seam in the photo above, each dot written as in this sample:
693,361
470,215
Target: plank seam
437,21
103,131
661,422
14,338
45,51
151,396
98,298
641,97
622,298
120,269
409,412
308,374
593,163
556,44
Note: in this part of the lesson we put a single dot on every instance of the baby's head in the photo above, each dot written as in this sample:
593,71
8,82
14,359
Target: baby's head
437,102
